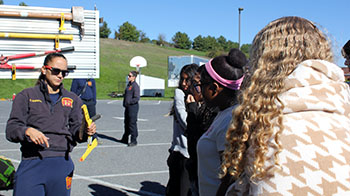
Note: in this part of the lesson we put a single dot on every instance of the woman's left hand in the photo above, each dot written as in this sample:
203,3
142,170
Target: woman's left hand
190,99
91,129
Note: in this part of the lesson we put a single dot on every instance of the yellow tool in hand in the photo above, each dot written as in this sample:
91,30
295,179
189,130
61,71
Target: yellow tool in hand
89,149
91,143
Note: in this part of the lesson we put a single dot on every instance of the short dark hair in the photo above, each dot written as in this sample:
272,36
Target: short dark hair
134,73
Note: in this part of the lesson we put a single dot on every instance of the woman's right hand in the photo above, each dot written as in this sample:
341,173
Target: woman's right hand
37,136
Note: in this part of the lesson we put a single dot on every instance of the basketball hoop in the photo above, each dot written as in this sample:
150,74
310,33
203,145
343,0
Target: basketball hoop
138,61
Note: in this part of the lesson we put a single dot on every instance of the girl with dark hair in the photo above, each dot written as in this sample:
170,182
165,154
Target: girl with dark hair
199,118
46,120
178,183
220,82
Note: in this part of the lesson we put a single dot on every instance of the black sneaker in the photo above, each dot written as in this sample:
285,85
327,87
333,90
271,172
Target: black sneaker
123,141
131,144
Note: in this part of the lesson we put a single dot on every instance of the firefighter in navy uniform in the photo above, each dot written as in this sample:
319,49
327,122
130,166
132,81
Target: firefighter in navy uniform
45,120
131,104
86,90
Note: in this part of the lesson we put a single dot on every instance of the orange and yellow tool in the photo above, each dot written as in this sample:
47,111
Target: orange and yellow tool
91,143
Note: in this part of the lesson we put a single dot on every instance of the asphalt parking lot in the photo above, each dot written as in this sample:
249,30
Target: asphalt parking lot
112,168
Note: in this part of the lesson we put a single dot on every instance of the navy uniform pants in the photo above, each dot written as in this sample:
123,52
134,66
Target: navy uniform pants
91,109
130,123
49,176
90,106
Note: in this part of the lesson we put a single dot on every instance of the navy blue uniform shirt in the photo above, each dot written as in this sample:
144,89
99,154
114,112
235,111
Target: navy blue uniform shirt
90,90
131,94
59,121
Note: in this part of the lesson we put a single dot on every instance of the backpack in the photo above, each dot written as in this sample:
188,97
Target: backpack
7,173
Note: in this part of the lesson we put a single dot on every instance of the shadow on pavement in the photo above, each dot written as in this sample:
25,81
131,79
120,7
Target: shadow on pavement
154,187
150,187
100,190
103,136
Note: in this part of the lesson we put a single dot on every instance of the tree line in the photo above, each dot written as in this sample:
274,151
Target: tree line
20,4
209,44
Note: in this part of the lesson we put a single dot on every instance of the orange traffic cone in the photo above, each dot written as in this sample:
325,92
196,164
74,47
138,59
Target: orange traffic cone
13,96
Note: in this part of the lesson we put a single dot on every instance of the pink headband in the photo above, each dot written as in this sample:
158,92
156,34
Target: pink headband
231,84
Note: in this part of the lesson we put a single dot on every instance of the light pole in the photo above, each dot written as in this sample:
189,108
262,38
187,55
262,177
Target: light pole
239,27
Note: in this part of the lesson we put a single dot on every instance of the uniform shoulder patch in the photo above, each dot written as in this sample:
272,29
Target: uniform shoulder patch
67,102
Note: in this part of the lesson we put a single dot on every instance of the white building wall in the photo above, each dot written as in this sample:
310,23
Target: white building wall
85,57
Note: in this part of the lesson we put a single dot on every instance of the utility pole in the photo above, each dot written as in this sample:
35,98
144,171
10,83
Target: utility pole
239,27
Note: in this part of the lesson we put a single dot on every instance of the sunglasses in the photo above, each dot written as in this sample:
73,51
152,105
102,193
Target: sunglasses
56,71
130,76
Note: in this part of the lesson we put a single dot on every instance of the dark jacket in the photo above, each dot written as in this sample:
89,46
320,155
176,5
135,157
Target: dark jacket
89,94
131,94
199,119
59,122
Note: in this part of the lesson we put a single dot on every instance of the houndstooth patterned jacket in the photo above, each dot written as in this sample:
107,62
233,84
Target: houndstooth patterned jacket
315,159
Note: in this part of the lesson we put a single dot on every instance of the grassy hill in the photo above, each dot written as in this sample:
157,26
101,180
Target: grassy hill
115,56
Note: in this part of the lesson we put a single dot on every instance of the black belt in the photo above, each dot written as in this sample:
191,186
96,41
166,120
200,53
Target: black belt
87,99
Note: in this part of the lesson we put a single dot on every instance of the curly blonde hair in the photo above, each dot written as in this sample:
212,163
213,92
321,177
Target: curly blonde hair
276,51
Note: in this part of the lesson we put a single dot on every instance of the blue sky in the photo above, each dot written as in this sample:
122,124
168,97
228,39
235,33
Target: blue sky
214,18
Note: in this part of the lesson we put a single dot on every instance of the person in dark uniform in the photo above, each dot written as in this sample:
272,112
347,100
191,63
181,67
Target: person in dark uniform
46,120
86,90
131,104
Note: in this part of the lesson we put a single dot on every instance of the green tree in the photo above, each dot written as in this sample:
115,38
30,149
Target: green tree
128,32
104,30
226,45
230,44
154,41
222,42
211,43
116,34
215,53
245,48
144,38
198,43
161,40
181,40
22,4
205,44
1,2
